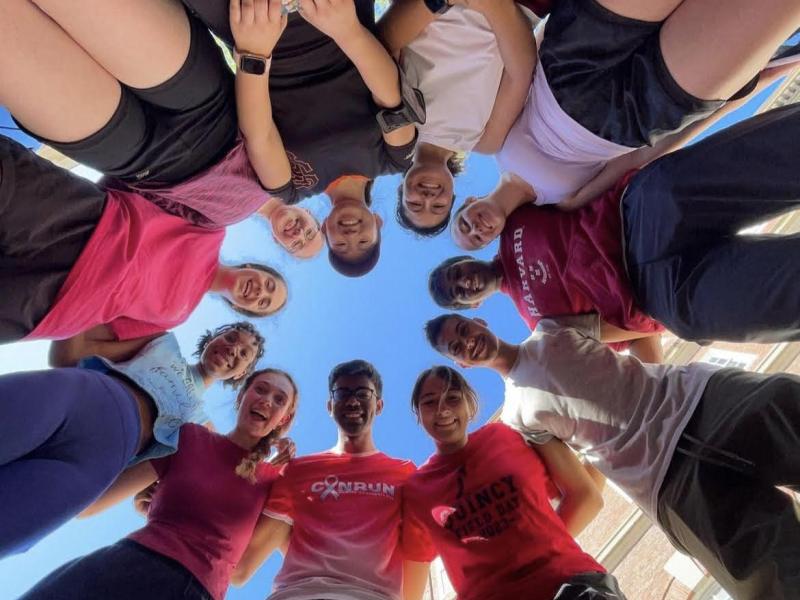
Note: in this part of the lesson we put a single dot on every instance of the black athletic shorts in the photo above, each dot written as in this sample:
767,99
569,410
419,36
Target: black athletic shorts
167,134
607,72
47,216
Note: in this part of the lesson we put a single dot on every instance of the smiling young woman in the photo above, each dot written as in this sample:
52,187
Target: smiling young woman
66,433
209,497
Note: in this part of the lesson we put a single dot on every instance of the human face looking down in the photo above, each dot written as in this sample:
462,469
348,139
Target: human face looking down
255,290
477,223
229,355
354,404
296,230
427,194
351,230
467,341
265,404
469,282
444,413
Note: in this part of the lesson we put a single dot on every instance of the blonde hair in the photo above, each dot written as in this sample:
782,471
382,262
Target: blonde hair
246,469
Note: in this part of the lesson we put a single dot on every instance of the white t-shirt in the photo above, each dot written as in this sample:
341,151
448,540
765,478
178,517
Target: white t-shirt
547,148
456,64
625,415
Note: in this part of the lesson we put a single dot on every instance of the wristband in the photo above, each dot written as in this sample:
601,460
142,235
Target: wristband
438,7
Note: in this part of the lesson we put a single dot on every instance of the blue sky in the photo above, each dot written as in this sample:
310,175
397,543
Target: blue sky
328,319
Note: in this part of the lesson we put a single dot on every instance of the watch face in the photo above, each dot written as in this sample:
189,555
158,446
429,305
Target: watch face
252,64
437,7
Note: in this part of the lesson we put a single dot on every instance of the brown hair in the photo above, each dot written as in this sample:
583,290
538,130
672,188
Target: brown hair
247,467
453,381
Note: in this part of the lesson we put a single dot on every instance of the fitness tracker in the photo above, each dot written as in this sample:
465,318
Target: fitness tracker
253,64
411,109
438,7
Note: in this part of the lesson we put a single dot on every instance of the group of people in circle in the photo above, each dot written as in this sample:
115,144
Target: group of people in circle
610,232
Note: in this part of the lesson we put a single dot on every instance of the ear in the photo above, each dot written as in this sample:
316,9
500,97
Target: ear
324,226
378,221
480,321
462,365
329,406
379,406
470,200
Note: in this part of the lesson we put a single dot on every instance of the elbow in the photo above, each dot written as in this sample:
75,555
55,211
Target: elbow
594,501
240,576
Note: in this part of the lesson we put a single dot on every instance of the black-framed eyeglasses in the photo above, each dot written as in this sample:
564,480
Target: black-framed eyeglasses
362,394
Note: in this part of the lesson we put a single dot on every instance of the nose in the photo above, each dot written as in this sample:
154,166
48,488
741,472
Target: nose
465,282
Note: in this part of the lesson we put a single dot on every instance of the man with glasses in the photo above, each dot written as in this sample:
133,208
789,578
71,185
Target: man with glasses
341,510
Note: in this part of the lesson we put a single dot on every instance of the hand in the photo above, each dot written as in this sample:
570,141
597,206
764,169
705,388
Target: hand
257,25
286,451
142,500
335,18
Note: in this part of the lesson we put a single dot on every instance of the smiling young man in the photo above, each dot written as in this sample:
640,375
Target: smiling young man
340,510
699,449
352,231
295,229
539,288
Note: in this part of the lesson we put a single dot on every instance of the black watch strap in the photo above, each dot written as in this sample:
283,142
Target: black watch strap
437,7
411,109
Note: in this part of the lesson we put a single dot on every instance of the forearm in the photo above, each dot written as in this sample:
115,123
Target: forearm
415,579
268,536
262,139
577,511
128,483
376,67
515,41
97,341
402,22
648,349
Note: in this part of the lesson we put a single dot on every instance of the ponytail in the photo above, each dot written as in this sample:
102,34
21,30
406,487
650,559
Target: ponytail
246,469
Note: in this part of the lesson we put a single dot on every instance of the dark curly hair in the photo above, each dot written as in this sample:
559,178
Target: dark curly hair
242,326
455,164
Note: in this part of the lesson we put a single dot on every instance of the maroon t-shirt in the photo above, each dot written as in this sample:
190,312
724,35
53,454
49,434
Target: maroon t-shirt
558,263
487,512
203,514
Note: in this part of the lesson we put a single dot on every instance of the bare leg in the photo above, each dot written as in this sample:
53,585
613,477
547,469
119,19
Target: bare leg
140,42
713,49
47,81
650,10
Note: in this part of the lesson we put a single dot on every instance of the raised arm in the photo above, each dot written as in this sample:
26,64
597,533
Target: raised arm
98,341
581,500
269,535
129,482
514,34
402,22
338,19
257,25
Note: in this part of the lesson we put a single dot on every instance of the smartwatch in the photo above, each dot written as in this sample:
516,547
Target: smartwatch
253,64
411,109
438,7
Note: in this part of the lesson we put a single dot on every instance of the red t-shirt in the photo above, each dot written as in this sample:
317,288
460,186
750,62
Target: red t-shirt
143,271
223,194
203,514
345,512
558,263
487,512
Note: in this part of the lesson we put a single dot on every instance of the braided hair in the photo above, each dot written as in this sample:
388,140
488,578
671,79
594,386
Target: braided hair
246,469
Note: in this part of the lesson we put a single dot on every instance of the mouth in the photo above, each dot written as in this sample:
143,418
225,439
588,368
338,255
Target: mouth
354,415
351,222
292,228
219,358
248,286
445,424
477,284
478,348
484,223
258,415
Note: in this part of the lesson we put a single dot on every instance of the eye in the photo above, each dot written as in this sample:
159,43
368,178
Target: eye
463,226
310,233
414,205
363,243
270,284
279,399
